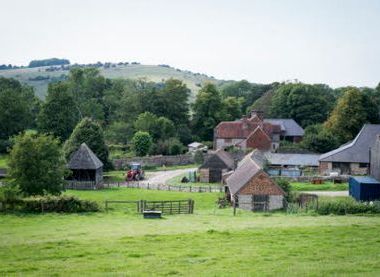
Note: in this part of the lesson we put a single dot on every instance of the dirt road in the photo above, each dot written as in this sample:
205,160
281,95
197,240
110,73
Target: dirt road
161,177
328,193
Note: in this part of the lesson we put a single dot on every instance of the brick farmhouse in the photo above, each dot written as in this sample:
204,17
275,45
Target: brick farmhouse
256,132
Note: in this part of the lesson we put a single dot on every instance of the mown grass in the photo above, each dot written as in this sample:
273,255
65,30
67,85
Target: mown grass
328,186
211,242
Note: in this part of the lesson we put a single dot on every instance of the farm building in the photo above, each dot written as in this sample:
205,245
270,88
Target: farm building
352,158
85,165
256,132
364,188
215,166
251,188
284,164
375,159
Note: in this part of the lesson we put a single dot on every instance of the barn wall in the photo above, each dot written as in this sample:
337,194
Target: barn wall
276,202
261,184
245,202
375,160
204,175
222,143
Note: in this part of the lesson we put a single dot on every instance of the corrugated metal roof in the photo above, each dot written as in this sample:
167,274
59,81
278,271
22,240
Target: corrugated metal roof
290,126
292,159
366,180
356,151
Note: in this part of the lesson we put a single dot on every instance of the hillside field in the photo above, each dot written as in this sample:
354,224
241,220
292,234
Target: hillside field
210,242
153,73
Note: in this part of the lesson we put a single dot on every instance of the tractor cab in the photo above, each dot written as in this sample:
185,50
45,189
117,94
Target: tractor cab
135,172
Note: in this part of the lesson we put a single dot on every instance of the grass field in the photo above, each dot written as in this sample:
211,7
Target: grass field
210,242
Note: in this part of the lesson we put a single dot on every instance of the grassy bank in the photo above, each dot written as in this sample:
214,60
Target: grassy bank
328,186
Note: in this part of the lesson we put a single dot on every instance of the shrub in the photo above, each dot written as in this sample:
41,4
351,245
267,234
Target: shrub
285,185
64,204
347,206
10,196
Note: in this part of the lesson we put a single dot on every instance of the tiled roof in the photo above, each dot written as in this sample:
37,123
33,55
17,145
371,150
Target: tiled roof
243,174
242,128
356,151
289,126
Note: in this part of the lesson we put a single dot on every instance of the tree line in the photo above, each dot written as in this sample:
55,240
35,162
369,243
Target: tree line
142,117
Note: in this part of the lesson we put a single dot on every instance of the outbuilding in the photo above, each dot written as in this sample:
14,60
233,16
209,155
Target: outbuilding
215,166
85,166
251,188
364,188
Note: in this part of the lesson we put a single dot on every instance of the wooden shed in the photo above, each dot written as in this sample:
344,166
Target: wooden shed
215,166
251,188
85,166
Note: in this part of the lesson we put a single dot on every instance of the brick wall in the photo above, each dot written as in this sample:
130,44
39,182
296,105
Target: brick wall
261,184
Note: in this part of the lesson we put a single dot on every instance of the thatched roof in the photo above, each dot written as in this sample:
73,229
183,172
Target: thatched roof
84,158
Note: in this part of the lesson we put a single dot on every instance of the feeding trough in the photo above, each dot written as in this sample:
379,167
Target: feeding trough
152,214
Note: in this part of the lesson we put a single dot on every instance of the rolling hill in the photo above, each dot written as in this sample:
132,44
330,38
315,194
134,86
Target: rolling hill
40,77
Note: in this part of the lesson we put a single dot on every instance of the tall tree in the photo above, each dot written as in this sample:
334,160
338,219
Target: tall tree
208,111
90,132
349,115
36,164
306,104
232,108
58,114
319,139
142,143
17,106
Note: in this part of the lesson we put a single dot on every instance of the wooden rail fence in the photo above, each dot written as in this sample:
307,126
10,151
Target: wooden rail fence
142,185
165,206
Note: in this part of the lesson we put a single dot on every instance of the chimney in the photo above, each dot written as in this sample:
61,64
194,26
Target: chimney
259,114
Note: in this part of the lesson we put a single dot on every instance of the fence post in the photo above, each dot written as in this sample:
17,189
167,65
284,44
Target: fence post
118,184
169,187
190,188
106,206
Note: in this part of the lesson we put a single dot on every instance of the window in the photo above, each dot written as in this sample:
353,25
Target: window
363,165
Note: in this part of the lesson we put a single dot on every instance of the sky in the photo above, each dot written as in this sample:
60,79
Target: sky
336,42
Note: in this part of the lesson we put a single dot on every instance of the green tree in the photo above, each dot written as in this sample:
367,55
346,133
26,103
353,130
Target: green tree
232,108
319,139
306,104
142,143
36,164
119,132
17,105
208,111
349,115
58,114
90,132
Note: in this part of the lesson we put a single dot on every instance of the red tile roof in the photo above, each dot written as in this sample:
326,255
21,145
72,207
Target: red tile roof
243,128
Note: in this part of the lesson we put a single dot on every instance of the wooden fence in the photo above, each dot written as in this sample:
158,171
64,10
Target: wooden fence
165,206
142,185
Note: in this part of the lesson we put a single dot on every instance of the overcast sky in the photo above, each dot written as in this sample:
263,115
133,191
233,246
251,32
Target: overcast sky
326,41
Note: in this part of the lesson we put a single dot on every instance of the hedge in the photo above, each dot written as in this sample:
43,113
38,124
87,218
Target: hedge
60,204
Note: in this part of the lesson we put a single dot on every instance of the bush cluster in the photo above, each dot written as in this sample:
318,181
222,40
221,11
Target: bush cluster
64,204
347,206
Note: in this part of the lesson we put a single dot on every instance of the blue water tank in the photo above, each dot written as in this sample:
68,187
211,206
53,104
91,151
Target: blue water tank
364,188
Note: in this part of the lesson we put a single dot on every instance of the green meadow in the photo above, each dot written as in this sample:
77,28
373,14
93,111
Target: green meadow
210,242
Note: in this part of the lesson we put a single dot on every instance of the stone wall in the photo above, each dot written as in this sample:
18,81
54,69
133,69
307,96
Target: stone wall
121,164
276,202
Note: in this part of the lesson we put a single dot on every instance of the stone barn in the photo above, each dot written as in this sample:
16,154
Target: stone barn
251,188
85,166
215,166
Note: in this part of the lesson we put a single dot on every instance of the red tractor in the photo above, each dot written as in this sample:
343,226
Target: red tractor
135,173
